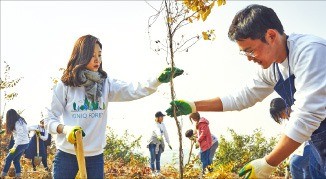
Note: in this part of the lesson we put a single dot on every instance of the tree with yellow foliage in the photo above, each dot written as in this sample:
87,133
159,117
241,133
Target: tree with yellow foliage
176,15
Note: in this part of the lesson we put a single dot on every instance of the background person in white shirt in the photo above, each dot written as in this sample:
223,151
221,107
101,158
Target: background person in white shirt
31,151
17,127
156,143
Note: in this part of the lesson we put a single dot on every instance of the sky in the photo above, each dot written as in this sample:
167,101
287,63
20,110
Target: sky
37,39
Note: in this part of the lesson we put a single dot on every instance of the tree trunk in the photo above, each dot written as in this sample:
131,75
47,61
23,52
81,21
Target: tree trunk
171,49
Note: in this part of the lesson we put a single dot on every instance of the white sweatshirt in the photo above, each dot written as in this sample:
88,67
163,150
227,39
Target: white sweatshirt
159,130
70,107
307,56
20,133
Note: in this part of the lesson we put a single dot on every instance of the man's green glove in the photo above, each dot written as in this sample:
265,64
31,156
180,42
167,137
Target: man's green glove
12,150
70,133
258,168
182,108
165,76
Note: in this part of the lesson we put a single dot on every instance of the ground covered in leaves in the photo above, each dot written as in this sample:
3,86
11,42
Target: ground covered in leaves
122,162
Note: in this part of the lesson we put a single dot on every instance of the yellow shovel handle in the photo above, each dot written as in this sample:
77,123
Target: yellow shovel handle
80,154
37,145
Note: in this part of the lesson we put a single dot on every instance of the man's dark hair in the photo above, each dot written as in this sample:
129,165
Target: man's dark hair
189,133
253,22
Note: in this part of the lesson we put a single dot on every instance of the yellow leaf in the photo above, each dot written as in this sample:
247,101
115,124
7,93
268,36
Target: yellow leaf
170,20
198,16
186,3
212,5
205,14
190,20
205,36
194,8
221,2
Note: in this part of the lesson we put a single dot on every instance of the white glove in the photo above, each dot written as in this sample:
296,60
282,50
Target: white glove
258,168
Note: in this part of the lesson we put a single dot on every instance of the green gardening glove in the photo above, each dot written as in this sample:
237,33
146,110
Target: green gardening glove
165,76
70,133
38,133
182,108
196,145
2,131
12,150
193,138
258,168
160,138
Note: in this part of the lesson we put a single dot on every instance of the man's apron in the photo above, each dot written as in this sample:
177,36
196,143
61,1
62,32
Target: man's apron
286,89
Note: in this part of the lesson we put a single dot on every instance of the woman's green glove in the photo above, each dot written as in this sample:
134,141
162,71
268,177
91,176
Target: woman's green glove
70,133
165,76
257,169
182,108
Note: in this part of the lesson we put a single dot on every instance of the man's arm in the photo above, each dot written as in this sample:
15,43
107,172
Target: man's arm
282,150
214,104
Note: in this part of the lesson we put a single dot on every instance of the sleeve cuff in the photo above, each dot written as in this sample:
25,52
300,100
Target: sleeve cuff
193,106
53,127
294,133
155,83
67,129
225,103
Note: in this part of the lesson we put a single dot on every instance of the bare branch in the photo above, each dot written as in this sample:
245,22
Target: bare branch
151,6
184,19
196,38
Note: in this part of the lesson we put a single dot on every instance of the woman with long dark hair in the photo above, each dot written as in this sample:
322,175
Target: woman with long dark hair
17,127
299,160
81,98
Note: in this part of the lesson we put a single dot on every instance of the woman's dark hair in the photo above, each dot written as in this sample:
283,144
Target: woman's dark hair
81,55
253,22
277,106
11,118
194,115
189,133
